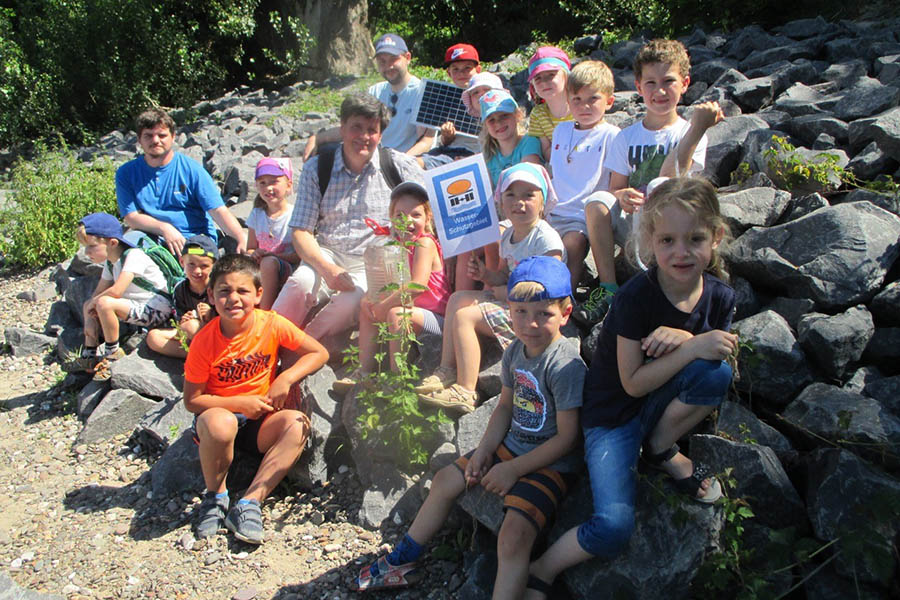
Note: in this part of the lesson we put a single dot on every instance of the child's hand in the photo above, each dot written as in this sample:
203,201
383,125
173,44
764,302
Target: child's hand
476,467
448,133
257,254
203,312
476,269
629,199
278,393
338,279
706,115
255,407
714,345
663,340
500,478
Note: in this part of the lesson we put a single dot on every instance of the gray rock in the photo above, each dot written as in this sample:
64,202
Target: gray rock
836,341
89,397
845,74
836,415
484,506
861,378
471,427
785,73
761,479
746,301
831,181
391,496
843,493
149,374
710,70
773,365
748,40
751,207
804,28
791,52
741,425
734,129
809,127
68,344
753,94
883,129
802,206
325,417
713,94
694,92
24,342
828,585
489,382
480,575
60,318
164,423
885,305
728,78
79,292
884,349
647,568
887,391
844,268
887,69
800,99
864,98
10,590
885,200
80,265
178,469
40,293
443,456
870,162
791,309
118,412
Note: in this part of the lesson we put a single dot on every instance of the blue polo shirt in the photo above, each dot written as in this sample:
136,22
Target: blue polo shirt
180,193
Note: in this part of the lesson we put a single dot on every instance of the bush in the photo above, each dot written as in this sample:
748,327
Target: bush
49,196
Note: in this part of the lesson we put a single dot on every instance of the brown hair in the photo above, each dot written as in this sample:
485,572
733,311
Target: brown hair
489,145
151,118
671,52
695,195
591,73
360,104
235,263
423,200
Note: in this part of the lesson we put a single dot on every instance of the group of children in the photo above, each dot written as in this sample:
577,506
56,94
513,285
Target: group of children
658,370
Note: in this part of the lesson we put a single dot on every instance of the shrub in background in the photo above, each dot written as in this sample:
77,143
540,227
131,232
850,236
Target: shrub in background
49,196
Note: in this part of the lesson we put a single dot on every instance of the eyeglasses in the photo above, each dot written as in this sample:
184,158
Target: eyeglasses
393,107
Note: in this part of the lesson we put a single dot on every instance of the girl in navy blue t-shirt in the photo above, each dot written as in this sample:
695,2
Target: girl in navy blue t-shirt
658,370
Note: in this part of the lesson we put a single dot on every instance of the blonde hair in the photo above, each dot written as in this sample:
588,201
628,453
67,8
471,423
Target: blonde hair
697,197
423,200
591,73
670,52
524,291
489,145
83,237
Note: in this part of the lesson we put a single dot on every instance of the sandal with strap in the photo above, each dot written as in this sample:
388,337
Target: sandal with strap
691,484
455,400
388,576
441,378
538,585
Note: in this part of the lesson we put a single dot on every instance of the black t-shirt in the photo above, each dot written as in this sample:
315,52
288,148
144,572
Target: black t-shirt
638,308
186,300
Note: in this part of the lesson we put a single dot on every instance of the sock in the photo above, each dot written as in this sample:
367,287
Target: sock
245,501
89,351
111,348
408,550
222,494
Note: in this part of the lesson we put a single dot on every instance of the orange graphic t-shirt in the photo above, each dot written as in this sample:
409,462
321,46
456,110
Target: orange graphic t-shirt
245,364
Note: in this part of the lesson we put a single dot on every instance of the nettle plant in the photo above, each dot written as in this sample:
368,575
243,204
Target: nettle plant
389,414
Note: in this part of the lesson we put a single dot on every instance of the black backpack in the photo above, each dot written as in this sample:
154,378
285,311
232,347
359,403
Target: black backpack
326,163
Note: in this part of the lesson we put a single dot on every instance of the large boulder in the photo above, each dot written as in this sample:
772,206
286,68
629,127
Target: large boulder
325,418
24,342
760,206
119,412
837,256
165,422
836,341
391,496
149,374
742,425
771,363
883,129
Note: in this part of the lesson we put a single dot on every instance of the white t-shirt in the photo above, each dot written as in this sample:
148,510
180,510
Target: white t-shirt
140,265
576,162
640,153
540,240
272,235
400,134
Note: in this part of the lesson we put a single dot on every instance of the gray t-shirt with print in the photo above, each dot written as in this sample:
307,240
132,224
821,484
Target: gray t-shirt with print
541,386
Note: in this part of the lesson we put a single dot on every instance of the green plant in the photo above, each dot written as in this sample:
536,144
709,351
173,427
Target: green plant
173,431
389,414
324,99
180,335
741,174
50,194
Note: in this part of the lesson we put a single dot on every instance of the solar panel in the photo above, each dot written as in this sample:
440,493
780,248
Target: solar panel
440,102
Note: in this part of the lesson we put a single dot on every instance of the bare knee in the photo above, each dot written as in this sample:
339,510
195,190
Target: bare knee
157,339
395,319
217,426
448,483
105,304
268,266
516,537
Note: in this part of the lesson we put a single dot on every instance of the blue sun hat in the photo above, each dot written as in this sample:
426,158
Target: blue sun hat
549,272
496,101
531,173
104,225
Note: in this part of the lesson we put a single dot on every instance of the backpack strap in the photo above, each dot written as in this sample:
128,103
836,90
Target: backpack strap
141,282
326,163
389,167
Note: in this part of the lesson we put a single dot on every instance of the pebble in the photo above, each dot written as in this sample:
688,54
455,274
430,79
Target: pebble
212,558
15,564
329,548
27,556
187,541
317,518
245,594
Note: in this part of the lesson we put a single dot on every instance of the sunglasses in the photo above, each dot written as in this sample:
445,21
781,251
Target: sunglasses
393,100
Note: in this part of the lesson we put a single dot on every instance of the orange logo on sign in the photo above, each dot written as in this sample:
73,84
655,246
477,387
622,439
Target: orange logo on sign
460,186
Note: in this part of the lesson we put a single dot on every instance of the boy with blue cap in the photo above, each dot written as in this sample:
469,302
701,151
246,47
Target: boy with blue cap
526,454
125,292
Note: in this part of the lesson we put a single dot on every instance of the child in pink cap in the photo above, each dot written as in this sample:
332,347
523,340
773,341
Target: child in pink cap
548,71
269,239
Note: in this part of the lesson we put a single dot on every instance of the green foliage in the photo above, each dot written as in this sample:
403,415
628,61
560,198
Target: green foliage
740,175
49,196
390,416
324,99
90,65
621,16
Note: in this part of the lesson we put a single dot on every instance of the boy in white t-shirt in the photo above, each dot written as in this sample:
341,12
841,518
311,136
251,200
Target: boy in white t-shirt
124,292
640,153
578,149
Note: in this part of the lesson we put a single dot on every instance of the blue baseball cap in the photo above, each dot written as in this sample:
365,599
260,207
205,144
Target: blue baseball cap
104,225
550,272
201,245
391,43
496,101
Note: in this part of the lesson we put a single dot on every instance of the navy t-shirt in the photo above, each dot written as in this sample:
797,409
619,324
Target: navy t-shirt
638,308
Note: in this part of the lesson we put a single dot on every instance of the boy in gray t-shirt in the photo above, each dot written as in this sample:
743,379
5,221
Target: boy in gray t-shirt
526,453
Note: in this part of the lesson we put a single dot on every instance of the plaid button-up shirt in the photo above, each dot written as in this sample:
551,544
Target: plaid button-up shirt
338,218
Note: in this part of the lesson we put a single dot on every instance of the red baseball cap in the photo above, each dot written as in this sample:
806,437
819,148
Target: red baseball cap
461,52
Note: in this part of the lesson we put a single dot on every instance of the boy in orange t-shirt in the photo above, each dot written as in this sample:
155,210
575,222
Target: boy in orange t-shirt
230,384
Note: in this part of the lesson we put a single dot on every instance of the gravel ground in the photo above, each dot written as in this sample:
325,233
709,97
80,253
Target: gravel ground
80,522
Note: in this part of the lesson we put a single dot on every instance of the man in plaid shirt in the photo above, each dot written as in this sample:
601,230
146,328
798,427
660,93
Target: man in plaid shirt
329,231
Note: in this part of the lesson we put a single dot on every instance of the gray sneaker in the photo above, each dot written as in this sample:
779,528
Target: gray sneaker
212,514
245,522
